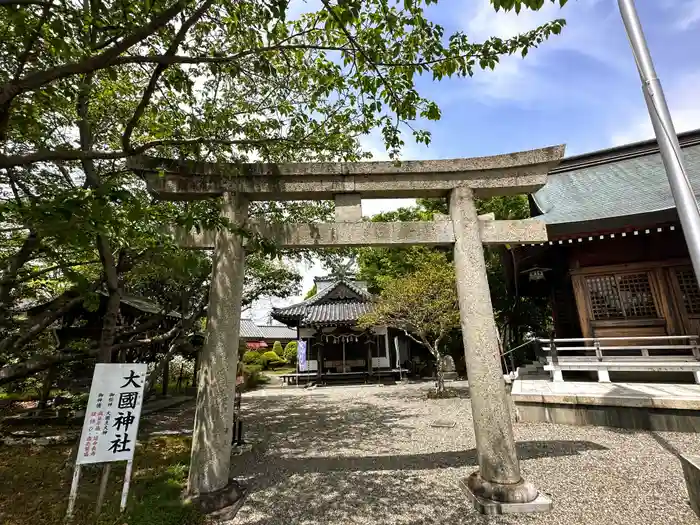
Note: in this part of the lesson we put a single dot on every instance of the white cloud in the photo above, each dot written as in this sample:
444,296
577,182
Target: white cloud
588,33
684,105
487,22
687,13
411,151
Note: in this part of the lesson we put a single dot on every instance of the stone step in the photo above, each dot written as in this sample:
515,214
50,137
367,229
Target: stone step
533,370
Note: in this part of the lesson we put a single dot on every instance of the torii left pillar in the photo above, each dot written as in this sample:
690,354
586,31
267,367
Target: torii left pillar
216,378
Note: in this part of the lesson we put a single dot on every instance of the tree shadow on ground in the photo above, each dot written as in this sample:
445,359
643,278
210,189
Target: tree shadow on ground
322,461
313,425
177,418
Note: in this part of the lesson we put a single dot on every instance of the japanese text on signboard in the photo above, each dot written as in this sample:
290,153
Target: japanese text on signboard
113,412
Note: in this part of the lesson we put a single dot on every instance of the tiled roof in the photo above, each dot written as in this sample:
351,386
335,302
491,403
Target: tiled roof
339,312
342,302
249,330
144,305
271,331
254,332
620,182
139,303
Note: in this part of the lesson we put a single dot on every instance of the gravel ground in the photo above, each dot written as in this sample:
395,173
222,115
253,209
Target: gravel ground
367,455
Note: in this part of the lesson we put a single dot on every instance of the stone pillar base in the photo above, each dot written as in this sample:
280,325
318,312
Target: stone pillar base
493,498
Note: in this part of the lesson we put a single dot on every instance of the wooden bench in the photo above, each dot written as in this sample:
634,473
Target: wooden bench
679,353
294,378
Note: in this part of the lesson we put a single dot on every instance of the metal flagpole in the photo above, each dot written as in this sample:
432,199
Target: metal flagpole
681,189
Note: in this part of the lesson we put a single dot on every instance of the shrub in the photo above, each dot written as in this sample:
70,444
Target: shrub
252,358
79,401
277,363
268,357
277,348
252,377
290,352
251,369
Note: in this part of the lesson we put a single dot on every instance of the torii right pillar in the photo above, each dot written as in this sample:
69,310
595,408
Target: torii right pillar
497,487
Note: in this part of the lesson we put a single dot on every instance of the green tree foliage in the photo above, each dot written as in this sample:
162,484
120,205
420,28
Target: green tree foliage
312,291
515,315
377,265
277,349
423,304
84,86
290,352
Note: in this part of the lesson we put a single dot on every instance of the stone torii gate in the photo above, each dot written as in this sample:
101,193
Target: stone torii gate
497,486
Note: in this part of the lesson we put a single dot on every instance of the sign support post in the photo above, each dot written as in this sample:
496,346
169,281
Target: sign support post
111,425
127,483
103,487
73,492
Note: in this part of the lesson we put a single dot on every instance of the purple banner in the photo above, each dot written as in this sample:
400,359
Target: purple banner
301,355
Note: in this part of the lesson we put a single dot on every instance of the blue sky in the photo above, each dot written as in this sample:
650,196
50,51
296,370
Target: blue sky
581,88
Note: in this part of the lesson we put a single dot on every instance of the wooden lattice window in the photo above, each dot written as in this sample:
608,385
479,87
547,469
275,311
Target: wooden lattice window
625,296
689,289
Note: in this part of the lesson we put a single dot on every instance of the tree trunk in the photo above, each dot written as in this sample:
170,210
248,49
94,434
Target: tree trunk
36,326
46,387
178,386
195,369
160,368
29,367
15,263
166,375
109,326
440,376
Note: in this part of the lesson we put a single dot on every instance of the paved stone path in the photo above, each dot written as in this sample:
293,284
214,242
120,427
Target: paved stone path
368,455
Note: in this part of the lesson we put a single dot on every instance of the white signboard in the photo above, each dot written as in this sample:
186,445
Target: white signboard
113,412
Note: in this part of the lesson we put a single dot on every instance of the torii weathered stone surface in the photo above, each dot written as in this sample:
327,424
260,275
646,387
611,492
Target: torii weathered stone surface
325,235
216,377
498,484
510,174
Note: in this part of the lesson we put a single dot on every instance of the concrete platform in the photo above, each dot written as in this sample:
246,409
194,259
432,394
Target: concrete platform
691,473
641,406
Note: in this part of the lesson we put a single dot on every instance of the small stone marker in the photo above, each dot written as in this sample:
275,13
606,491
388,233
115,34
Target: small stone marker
448,363
442,423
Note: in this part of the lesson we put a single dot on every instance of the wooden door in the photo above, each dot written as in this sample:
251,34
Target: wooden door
686,296
621,301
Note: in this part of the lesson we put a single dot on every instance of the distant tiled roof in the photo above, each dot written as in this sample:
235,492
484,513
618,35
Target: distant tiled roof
144,305
139,303
249,330
343,302
272,331
254,332
617,183
325,281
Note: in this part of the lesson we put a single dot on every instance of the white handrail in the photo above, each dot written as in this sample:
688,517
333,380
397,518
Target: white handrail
639,338
650,347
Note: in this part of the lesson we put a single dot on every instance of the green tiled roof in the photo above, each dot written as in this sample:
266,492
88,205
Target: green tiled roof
615,183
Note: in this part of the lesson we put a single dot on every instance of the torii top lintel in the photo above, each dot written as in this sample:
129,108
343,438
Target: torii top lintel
512,173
